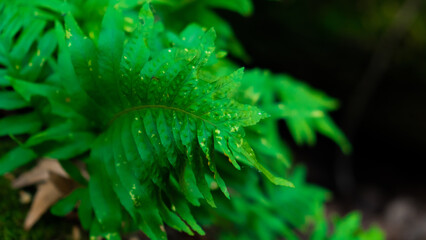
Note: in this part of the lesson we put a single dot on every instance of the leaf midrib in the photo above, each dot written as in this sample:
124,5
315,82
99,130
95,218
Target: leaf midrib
132,109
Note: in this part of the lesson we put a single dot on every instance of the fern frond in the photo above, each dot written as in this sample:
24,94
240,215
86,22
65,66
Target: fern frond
160,121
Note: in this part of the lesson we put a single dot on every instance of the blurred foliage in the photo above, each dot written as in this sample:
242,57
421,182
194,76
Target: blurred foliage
260,210
172,12
348,227
304,109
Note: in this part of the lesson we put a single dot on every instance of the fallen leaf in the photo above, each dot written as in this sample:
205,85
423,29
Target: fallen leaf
63,184
53,183
47,194
39,173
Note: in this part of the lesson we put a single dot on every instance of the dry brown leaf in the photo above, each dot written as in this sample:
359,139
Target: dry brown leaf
64,184
39,173
53,183
47,194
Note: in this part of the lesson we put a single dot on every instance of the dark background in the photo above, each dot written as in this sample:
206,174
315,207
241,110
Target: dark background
370,55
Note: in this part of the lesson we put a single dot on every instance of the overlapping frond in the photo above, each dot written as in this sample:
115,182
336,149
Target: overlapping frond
26,48
26,41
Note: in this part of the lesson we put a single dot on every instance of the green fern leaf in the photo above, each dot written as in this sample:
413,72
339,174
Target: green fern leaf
11,101
19,124
16,158
244,7
67,204
157,112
